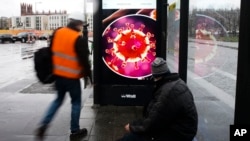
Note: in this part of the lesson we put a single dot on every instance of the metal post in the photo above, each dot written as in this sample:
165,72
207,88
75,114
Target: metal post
242,98
85,31
183,40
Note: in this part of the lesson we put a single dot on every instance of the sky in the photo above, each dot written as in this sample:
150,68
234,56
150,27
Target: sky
11,8
212,3
215,3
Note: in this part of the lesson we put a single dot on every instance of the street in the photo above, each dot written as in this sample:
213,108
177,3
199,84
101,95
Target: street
20,112
15,62
218,65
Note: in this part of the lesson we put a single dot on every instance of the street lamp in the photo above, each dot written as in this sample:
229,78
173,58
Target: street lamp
39,2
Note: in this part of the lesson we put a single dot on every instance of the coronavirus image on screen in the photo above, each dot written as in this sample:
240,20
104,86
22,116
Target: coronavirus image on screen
128,40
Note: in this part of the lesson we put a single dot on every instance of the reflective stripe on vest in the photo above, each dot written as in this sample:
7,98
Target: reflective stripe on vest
65,56
65,60
62,68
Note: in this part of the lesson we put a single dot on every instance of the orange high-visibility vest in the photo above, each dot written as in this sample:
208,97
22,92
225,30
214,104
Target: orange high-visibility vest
65,61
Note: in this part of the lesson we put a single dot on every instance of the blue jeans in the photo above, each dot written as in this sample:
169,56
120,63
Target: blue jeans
63,85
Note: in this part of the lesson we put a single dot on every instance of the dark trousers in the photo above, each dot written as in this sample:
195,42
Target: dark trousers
63,85
133,137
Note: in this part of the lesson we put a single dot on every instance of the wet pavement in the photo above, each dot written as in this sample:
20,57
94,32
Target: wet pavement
23,101
21,111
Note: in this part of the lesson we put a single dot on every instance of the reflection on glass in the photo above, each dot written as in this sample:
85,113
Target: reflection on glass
212,64
206,54
173,35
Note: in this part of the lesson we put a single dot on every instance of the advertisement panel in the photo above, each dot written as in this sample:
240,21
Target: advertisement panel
125,48
128,37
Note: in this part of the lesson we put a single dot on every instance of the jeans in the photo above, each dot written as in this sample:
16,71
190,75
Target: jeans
63,85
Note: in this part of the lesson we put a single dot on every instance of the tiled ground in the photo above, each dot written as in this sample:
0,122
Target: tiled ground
106,123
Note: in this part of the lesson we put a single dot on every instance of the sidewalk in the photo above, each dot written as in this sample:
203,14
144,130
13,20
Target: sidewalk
232,45
24,101
106,123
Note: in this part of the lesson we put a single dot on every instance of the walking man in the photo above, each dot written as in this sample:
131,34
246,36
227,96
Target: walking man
70,57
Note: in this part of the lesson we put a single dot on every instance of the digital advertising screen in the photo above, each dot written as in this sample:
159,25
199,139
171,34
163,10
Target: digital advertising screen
128,44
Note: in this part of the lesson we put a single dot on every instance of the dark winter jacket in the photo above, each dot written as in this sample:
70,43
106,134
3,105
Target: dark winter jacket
171,115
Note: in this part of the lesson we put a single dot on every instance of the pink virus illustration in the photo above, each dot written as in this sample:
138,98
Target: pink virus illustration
130,46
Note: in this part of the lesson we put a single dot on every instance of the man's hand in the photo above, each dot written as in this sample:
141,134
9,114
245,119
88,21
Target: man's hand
87,78
87,81
127,127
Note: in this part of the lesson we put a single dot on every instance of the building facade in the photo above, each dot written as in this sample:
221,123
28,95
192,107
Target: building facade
88,10
43,20
38,20
5,23
89,20
57,20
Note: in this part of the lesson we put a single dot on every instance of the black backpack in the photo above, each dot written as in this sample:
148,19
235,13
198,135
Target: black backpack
43,65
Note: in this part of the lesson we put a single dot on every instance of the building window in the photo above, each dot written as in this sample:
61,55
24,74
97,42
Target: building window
28,22
38,23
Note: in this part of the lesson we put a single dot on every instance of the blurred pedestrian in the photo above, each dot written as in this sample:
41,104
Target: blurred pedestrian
70,57
171,115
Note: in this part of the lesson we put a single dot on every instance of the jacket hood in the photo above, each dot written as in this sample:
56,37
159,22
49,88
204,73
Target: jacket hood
168,78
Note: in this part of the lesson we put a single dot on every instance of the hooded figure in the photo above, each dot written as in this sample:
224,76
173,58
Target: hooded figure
171,115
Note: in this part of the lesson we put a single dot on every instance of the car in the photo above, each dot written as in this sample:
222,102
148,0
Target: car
7,38
49,39
26,37
44,36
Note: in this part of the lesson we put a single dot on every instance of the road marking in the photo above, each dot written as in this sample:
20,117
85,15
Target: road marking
211,89
229,75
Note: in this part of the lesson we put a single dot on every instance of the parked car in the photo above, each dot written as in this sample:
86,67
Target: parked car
7,38
44,36
26,37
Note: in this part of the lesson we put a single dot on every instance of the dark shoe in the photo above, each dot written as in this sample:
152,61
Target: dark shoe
40,132
80,133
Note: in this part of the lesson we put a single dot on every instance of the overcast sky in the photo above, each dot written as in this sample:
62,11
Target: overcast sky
214,3
10,8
